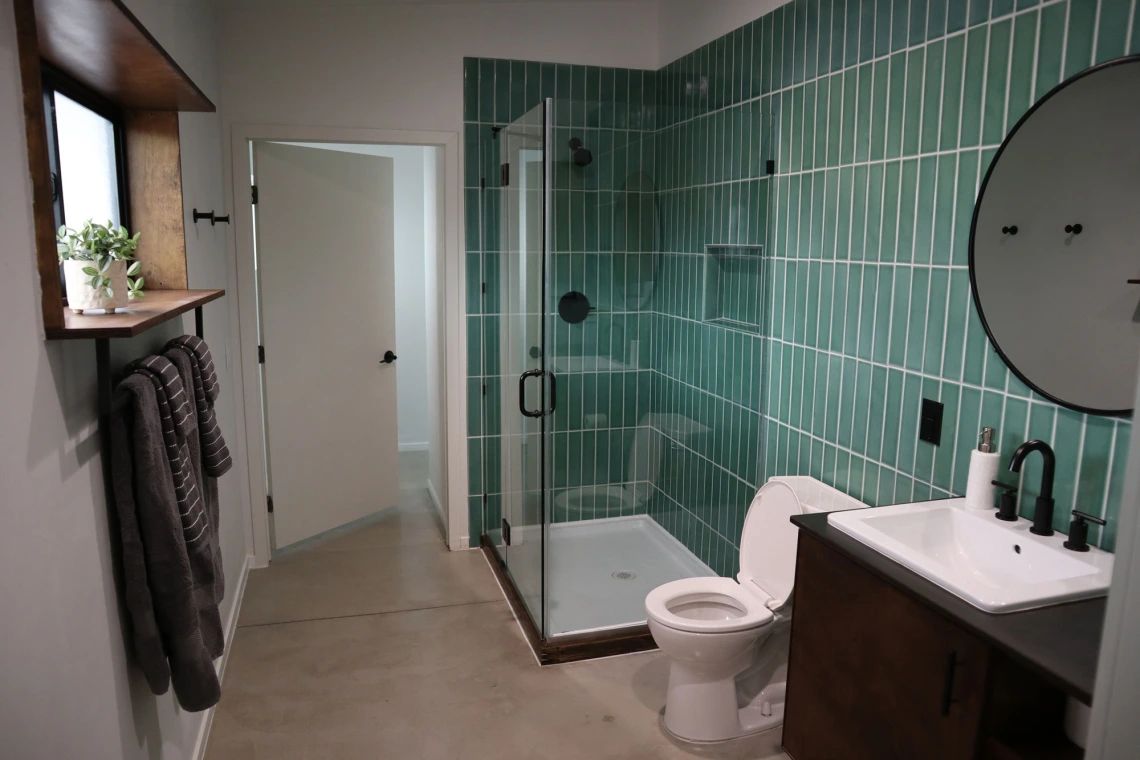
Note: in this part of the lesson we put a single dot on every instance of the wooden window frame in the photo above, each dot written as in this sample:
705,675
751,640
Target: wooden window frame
98,53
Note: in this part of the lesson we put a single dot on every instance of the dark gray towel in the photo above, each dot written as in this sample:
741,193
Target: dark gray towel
169,606
215,456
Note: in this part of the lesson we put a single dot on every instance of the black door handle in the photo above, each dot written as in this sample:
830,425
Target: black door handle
948,683
389,357
522,392
553,393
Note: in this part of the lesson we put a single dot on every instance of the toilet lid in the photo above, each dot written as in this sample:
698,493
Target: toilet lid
768,542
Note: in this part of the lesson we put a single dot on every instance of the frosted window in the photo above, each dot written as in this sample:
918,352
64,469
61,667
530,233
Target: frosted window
87,165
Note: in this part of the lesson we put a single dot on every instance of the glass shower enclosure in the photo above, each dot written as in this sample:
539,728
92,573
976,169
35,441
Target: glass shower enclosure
575,236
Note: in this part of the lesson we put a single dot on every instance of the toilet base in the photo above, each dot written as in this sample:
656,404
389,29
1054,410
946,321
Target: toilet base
708,713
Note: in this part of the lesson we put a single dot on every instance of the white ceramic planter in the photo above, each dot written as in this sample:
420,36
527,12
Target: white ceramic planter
81,297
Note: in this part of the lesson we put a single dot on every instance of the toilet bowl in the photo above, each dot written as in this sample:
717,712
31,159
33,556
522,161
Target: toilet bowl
726,639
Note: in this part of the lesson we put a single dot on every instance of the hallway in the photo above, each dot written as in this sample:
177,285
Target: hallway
377,642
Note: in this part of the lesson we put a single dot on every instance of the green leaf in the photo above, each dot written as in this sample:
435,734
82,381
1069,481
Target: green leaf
139,283
134,269
110,293
90,271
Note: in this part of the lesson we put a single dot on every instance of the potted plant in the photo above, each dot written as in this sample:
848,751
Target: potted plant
98,267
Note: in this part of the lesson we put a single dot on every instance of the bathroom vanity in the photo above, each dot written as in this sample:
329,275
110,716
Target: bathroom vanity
885,663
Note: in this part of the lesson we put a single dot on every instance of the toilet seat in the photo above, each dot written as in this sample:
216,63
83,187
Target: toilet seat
767,570
707,605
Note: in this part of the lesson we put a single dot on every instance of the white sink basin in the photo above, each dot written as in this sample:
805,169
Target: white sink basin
994,565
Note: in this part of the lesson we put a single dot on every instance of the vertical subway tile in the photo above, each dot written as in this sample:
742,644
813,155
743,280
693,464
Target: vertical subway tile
993,112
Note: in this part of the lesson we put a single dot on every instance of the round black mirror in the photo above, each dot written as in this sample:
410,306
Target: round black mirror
1053,244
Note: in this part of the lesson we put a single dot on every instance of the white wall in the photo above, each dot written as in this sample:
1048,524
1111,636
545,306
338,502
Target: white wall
685,25
67,688
401,66
412,196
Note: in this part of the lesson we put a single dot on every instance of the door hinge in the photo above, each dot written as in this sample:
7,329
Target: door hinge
483,289
506,532
253,194
269,503
484,389
504,175
482,183
261,354
770,166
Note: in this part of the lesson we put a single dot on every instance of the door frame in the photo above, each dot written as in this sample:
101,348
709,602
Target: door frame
453,410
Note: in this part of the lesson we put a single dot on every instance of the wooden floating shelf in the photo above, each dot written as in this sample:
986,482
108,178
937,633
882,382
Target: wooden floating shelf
157,307
101,44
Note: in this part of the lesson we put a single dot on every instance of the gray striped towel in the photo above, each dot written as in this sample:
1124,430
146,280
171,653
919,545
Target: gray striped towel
201,352
177,425
216,459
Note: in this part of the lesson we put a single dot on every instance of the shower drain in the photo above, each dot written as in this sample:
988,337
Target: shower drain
624,575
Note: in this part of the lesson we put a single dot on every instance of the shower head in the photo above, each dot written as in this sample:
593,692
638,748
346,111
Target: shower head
581,156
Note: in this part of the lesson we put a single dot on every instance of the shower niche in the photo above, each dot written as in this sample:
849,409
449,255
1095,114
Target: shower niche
733,275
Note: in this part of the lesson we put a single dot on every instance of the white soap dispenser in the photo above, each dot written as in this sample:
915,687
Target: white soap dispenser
983,472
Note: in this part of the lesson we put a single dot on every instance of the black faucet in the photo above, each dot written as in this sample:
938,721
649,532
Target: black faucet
1043,513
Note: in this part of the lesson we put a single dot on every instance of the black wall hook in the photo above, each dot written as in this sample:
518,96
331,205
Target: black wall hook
199,215
1011,230
1074,229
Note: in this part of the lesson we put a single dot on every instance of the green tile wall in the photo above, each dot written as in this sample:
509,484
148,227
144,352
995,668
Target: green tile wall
881,117
604,243
884,117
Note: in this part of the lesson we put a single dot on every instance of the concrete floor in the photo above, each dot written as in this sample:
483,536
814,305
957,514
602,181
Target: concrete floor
377,642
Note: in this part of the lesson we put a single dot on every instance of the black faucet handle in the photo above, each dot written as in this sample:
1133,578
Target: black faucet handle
1078,540
1007,507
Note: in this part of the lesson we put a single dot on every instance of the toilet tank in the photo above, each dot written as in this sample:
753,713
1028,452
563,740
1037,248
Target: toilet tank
816,496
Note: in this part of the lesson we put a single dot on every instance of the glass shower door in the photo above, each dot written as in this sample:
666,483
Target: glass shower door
523,386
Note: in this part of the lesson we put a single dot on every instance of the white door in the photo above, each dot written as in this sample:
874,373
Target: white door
325,246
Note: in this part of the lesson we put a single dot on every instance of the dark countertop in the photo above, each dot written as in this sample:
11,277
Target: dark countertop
1060,642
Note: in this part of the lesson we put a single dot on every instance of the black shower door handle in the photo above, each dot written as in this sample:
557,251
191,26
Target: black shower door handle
553,393
522,392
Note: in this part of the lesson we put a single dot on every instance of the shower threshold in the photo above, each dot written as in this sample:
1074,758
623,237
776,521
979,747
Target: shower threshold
599,572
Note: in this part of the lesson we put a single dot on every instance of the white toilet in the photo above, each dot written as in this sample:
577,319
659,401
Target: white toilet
727,640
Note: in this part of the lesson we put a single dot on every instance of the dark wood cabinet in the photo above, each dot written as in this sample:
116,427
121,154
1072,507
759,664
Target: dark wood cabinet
875,674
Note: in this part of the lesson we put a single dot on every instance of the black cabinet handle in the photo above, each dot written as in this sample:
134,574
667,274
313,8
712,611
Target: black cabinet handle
389,357
948,682
522,393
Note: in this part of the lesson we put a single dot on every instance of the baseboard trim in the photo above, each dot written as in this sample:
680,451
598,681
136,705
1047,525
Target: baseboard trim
203,739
